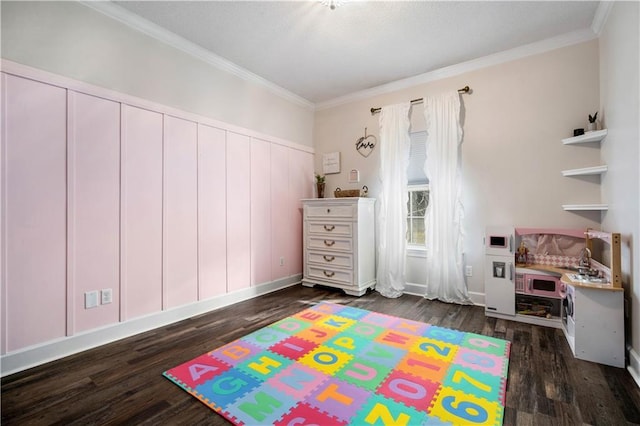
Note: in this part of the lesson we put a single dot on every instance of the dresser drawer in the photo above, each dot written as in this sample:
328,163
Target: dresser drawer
329,243
316,212
327,274
328,229
333,259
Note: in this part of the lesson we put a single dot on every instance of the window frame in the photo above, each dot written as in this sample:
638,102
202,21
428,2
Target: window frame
418,250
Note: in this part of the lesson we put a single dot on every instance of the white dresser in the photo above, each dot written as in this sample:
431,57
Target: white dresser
339,243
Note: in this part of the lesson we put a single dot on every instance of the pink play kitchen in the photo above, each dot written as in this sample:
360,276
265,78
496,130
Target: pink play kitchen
563,278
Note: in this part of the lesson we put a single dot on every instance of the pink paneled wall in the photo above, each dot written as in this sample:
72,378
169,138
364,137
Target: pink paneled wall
180,238
141,212
212,212
34,217
163,210
238,211
260,211
299,188
280,214
93,216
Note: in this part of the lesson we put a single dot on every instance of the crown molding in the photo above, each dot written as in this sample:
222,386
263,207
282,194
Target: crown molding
155,31
531,49
601,15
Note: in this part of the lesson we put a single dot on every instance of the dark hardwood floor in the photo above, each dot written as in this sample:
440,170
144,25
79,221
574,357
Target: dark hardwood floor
121,383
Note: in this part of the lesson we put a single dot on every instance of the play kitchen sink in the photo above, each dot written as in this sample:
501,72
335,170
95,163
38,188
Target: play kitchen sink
583,278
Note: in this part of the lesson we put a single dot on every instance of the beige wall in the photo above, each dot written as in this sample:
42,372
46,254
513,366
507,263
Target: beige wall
619,106
512,152
75,41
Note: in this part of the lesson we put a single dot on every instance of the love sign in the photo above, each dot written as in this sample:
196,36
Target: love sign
366,144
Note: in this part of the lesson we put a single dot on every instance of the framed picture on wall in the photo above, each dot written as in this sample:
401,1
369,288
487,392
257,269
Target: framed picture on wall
331,163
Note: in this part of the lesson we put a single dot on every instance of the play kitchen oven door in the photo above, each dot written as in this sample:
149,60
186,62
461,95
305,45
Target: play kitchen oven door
539,285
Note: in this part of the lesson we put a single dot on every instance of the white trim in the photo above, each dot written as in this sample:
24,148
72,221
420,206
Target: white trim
161,34
39,354
600,17
531,49
415,289
26,71
414,250
477,298
634,365
527,319
165,36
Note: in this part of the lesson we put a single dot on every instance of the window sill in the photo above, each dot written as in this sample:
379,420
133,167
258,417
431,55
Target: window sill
417,251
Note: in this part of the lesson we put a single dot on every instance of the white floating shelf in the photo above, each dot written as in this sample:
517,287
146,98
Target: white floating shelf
595,136
585,207
596,170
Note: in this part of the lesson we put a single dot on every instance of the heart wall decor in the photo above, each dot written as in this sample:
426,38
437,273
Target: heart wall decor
366,144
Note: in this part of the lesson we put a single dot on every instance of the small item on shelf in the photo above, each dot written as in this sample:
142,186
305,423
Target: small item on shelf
578,132
320,185
522,256
533,307
341,193
593,125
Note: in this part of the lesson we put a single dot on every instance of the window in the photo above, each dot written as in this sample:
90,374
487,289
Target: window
418,190
416,209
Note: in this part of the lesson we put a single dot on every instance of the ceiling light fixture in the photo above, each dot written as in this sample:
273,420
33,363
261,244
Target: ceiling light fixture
332,4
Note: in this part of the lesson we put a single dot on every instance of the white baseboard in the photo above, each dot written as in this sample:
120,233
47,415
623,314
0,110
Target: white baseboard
420,289
477,298
414,289
50,351
634,365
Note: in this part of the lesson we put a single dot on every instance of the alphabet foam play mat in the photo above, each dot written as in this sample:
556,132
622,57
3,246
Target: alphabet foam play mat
338,365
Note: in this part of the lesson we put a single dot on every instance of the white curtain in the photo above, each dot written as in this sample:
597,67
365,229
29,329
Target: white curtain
392,200
443,220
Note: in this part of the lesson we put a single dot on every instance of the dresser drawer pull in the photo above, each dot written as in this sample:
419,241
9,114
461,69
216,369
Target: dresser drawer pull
329,243
328,274
328,210
329,228
329,258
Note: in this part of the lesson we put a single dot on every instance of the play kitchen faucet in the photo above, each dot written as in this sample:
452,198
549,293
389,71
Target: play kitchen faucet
584,266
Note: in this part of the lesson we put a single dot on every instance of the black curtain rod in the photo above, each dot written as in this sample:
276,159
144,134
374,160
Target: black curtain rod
465,89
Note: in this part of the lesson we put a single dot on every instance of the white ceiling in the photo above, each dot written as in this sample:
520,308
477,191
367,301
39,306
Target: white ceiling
322,55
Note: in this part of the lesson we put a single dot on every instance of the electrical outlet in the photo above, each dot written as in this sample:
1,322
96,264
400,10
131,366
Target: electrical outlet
90,299
281,261
468,271
106,296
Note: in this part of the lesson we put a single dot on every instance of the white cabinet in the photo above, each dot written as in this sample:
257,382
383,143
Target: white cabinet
339,243
593,323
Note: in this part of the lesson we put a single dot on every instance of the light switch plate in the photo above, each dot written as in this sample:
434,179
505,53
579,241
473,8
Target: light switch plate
468,271
106,296
90,299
